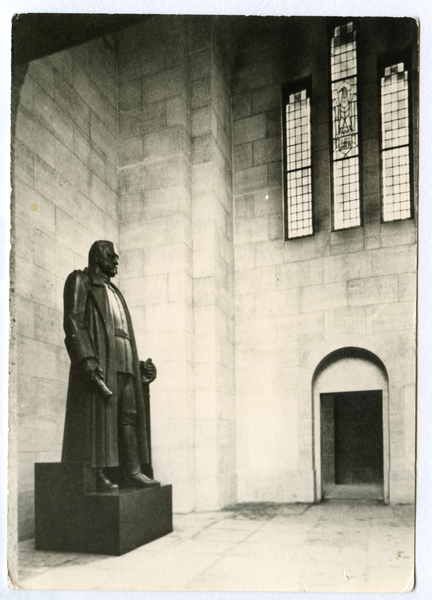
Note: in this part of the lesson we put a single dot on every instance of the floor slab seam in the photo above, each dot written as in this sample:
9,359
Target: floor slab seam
225,554
370,541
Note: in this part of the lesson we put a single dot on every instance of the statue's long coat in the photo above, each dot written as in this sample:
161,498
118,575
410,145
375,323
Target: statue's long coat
91,427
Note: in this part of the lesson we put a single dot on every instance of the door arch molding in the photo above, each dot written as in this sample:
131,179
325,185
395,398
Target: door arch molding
349,369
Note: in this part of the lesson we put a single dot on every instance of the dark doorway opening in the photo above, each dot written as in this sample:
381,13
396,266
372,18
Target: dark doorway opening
352,444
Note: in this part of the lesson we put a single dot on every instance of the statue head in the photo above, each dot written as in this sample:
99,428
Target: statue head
103,255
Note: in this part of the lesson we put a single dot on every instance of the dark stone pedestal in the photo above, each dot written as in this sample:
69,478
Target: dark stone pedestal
72,517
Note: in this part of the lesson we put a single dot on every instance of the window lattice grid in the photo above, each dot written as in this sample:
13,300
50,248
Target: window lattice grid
298,131
395,143
344,52
396,184
346,192
394,107
298,153
299,186
346,171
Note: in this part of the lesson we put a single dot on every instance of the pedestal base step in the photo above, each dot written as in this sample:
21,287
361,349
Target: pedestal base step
71,517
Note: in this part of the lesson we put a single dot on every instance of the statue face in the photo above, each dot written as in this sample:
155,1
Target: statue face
108,260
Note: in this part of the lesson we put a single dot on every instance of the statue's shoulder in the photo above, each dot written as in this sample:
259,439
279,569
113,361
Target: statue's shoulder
78,277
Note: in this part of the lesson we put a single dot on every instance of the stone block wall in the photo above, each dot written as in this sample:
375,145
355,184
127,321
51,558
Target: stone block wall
132,145
156,234
64,178
296,296
176,270
211,57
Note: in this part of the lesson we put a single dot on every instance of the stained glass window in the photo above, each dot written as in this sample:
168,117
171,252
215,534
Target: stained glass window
395,143
346,172
298,164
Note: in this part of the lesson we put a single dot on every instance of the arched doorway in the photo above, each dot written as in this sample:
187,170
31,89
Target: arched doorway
351,444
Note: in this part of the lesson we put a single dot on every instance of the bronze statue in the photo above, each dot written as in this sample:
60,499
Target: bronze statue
106,421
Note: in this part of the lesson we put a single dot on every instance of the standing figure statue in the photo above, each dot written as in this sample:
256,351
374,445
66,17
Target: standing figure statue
106,421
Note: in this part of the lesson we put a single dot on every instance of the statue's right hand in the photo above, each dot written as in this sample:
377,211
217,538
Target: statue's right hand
91,368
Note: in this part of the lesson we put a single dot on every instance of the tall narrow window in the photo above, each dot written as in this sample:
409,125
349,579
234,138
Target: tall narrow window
346,172
395,143
298,182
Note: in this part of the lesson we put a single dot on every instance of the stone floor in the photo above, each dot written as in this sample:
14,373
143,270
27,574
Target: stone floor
340,545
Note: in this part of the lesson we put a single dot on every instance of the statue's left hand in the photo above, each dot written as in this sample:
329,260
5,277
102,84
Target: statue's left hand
148,371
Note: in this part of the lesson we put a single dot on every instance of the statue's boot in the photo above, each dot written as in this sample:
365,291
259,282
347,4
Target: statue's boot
104,484
132,466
